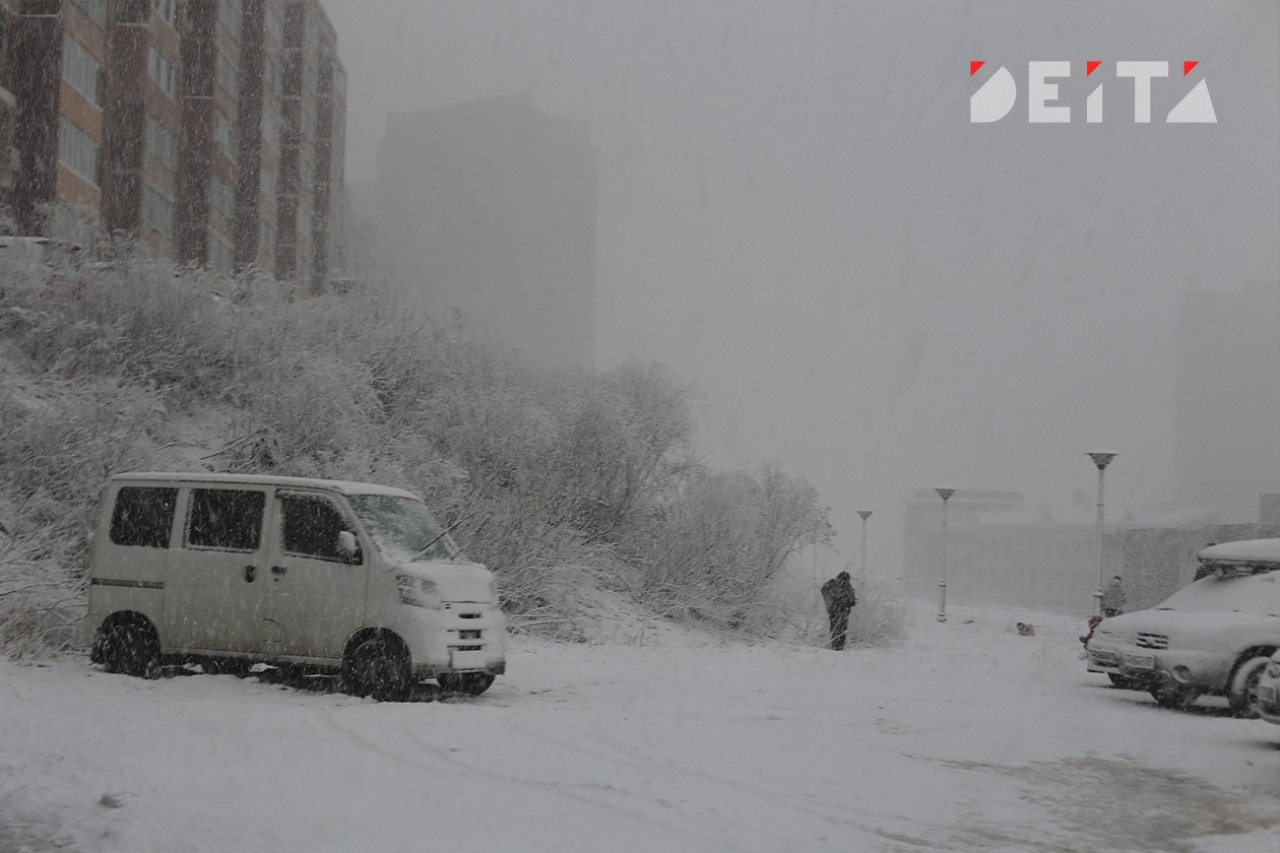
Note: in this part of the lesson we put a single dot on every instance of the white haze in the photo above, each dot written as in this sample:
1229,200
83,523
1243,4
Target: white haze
795,213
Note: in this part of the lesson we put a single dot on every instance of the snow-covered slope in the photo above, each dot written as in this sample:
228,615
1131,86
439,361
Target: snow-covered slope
967,737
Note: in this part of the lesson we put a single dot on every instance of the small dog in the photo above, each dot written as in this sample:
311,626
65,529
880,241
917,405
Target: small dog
1026,629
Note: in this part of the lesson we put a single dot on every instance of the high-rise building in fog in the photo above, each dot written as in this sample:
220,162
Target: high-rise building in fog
1227,400
489,207
209,130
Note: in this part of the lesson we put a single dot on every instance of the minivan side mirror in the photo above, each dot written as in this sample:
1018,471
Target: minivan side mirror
348,546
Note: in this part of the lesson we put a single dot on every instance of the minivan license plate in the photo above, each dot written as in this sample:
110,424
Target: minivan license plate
1140,661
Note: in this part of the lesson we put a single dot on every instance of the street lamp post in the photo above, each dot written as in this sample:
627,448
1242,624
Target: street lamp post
945,494
865,513
1101,458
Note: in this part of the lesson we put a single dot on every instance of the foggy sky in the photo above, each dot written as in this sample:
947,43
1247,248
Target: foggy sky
796,214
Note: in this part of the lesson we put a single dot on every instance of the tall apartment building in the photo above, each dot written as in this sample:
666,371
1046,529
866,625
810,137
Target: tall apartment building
490,208
207,129
1227,400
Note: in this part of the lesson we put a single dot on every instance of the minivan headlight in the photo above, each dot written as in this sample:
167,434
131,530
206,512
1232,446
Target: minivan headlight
418,592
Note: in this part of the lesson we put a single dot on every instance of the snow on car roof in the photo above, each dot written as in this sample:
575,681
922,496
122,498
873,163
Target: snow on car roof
1243,551
345,486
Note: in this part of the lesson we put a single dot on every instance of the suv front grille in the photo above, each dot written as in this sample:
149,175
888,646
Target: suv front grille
1151,641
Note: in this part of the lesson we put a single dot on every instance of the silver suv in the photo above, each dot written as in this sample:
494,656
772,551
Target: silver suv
1215,636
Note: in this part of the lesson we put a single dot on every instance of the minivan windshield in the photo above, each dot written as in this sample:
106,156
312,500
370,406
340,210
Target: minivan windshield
403,528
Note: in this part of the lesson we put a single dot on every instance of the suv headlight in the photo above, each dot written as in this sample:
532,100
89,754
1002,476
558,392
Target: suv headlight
418,592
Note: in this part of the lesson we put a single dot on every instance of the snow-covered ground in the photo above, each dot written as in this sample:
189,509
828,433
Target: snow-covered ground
967,737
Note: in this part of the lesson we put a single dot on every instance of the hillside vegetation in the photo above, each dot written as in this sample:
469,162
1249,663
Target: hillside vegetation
548,476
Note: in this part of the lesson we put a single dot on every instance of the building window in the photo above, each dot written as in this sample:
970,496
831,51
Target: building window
81,70
160,143
275,23
157,210
225,73
271,129
163,72
168,10
229,16
77,151
271,73
268,181
223,136
220,197
219,253
94,10
268,246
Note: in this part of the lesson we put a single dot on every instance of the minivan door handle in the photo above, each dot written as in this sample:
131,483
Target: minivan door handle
250,572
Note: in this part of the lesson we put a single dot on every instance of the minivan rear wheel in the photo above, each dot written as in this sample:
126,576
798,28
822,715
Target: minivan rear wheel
128,646
377,668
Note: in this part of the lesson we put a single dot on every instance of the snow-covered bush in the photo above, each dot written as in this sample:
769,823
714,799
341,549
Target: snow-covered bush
714,547
533,469
56,450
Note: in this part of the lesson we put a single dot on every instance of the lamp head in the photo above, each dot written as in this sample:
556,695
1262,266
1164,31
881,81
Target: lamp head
1102,458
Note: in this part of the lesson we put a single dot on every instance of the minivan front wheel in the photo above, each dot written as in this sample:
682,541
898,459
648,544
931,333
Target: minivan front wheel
468,683
128,646
377,668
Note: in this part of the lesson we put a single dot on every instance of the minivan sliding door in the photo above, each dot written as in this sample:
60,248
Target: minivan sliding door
217,579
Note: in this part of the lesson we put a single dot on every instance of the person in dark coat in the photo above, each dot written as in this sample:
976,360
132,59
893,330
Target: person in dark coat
1113,598
839,597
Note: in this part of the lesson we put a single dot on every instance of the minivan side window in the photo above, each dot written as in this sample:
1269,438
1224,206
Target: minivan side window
226,519
143,516
309,526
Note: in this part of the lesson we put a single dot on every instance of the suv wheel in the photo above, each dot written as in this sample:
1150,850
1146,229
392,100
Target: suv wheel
1244,687
1177,696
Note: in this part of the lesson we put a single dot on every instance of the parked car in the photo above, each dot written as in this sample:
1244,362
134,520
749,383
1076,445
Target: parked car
1269,691
1215,636
351,577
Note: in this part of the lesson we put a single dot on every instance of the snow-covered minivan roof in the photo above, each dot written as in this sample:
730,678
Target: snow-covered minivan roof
344,486
1262,552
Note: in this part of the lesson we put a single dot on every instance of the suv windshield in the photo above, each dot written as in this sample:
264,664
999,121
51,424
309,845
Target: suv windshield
403,528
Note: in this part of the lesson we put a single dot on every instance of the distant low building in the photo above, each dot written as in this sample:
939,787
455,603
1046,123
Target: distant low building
1002,550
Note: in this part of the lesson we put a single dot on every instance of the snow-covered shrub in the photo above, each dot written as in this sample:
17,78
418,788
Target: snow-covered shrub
712,550
56,451
542,474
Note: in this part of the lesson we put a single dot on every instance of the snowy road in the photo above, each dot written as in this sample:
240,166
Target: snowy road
969,737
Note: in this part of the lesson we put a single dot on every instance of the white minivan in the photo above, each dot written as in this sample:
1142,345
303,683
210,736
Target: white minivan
334,575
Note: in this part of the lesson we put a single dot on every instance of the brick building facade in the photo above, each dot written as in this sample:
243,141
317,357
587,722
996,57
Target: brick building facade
212,131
